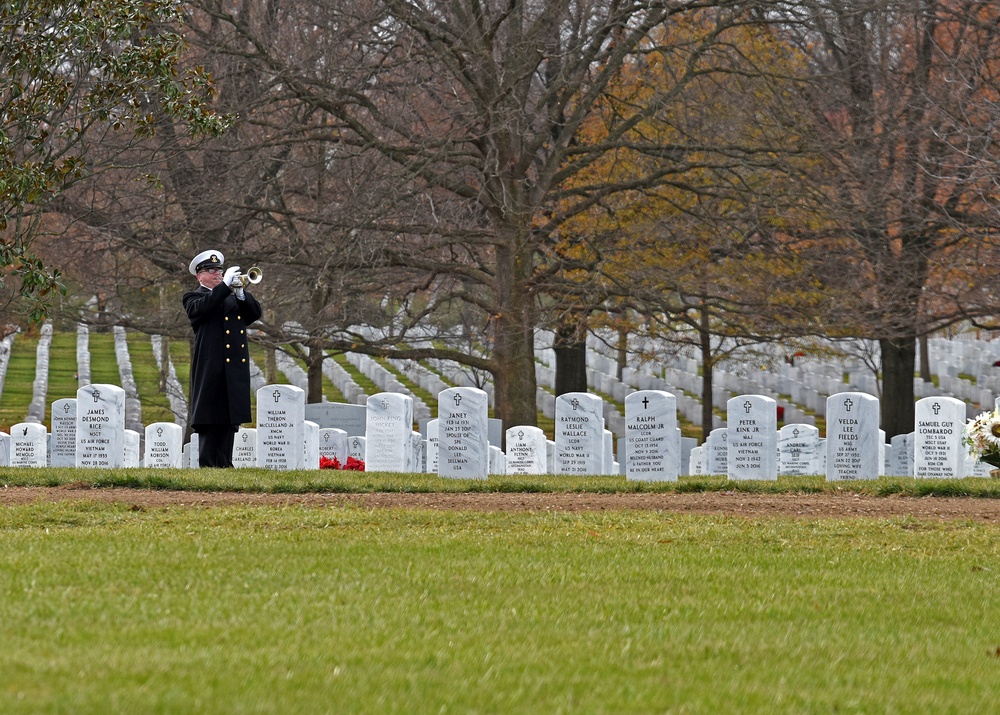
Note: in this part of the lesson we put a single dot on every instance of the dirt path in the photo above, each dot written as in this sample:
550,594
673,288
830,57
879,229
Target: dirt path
728,503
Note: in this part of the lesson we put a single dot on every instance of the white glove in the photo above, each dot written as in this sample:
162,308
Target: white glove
240,295
231,276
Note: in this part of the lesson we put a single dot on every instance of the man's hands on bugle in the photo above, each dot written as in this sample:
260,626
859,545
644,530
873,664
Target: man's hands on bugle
232,277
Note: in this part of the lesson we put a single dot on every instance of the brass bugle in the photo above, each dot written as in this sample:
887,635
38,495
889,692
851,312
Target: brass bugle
251,277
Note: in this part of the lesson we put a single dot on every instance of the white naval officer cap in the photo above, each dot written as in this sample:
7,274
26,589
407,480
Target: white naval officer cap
206,259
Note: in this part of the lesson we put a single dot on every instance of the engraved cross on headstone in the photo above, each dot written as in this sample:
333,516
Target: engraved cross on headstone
848,404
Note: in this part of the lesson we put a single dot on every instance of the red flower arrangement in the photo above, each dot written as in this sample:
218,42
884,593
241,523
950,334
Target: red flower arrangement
352,464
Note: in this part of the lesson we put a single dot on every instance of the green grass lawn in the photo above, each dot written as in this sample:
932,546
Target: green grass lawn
103,362
63,379
155,406
19,381
349,610
180,354
339,482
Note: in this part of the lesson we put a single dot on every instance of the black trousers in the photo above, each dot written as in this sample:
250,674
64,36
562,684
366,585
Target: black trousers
215,445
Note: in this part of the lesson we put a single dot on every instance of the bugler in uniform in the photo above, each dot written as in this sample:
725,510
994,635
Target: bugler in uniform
220,368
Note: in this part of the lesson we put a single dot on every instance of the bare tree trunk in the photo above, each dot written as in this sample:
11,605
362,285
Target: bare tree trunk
925,359
898,360
571,359
164,363
706,377
314,365
514,382
270,365
514,339
622,352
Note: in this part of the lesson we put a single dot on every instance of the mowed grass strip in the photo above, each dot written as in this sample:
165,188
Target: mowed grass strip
155,406
103,361
19,381
63,378
262,610
253,480
180,354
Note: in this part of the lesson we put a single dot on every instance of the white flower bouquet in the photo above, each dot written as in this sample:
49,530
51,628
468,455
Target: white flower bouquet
982,436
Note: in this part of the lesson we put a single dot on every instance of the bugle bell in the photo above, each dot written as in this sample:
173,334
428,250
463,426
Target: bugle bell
251,277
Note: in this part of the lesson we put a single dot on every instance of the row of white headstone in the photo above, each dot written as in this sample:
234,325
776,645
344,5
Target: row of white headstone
964,368
854,448
806,384
90,431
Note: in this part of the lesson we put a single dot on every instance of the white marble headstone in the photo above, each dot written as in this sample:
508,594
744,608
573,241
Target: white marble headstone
62,447
463,433
498,460
938,451
609,453
579,433
852,441
387,433
281,427
164,445
715,452
310,445
901,459
526,450
883,460
333,444
696,465
193,452
100,426
245,447
798,449
356,449
338,415
131,446
4,449
687,444
27,445
652,441
418,460
432,454
752,452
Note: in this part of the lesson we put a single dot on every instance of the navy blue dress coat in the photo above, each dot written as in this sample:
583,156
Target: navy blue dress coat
220,367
